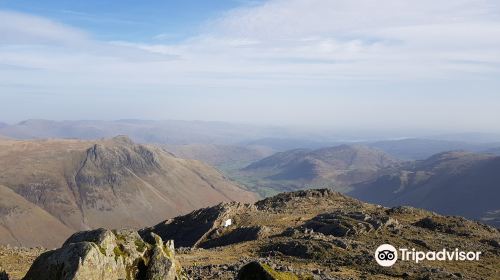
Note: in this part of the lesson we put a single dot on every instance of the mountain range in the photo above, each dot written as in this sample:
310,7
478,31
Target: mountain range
451,183
418,148
335,167
231,146
173,132
52,188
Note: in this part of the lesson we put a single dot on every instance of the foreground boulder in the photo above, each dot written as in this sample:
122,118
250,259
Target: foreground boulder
108,255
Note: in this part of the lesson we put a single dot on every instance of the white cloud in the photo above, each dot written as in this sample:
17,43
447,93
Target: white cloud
285,39
272,48
18,28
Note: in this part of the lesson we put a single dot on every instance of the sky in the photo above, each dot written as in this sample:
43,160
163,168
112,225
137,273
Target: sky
350,64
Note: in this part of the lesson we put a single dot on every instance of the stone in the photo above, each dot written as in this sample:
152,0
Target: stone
108,255
161,264
342,224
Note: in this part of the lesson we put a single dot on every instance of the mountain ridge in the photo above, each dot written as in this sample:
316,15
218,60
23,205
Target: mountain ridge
459,183
337,167
112,182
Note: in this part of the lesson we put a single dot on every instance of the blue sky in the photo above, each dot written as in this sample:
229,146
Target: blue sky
129,20
364,64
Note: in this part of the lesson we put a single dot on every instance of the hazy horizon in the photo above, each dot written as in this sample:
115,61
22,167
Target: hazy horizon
326,135
428,67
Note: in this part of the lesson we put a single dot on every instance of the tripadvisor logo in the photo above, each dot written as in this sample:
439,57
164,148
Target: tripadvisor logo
387,255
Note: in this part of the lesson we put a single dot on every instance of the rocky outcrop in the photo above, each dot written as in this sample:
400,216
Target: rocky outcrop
454,225
162,264
108,255
341,223
199,228
284,200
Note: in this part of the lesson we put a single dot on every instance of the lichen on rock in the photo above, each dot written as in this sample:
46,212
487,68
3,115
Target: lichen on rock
108,255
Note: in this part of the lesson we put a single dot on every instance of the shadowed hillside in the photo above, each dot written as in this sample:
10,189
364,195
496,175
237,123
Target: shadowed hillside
457,183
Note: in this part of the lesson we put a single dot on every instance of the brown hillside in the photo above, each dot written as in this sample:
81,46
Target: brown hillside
77,185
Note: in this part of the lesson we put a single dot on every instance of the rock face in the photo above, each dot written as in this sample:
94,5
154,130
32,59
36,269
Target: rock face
108,255
201,227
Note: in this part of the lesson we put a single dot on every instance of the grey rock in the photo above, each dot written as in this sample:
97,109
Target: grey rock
107,255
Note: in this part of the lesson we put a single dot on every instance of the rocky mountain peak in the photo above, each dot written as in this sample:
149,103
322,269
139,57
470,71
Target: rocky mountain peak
123,139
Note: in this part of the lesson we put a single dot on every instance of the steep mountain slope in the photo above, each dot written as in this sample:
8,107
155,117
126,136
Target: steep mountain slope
336,167
457,183
112,183
24,223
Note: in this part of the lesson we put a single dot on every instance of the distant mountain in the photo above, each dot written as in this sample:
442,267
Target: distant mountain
413,149
223,156
495,151
144,131
284,144
471,137
335,167
452,183
51,188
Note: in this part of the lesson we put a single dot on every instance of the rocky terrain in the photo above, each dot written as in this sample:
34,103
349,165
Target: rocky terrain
335,167
314,234
52,188
452,183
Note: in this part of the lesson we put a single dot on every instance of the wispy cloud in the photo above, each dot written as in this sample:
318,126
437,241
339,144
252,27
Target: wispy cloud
18,28
269,47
